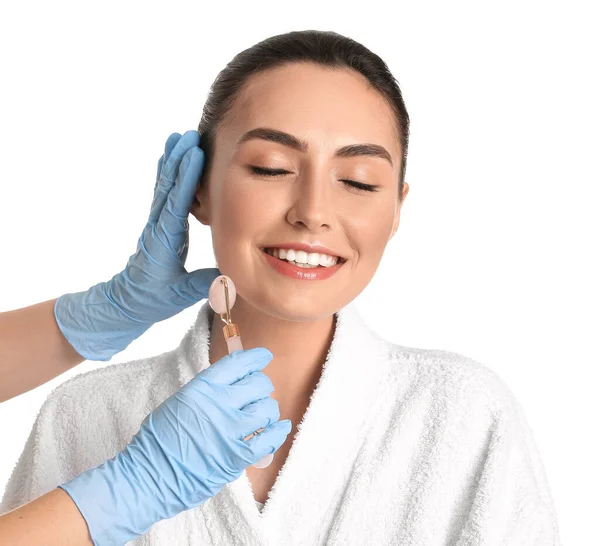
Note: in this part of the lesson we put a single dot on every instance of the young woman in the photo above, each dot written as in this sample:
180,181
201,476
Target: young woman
306,139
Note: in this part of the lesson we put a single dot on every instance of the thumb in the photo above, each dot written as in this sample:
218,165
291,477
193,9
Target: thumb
197,283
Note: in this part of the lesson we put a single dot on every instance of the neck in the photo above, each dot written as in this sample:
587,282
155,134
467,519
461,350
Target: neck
299,350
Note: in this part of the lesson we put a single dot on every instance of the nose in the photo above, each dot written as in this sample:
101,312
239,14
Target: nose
312,203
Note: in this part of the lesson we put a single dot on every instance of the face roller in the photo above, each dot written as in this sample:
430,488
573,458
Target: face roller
221,298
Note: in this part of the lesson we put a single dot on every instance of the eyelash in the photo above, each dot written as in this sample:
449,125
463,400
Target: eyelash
280,172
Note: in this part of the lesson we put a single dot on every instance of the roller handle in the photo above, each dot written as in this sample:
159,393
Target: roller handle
234,343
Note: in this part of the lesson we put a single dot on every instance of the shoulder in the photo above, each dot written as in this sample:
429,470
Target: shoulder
466,380
106,406
137,377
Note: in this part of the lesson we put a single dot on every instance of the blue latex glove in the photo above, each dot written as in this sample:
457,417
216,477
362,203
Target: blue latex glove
186,450
154,285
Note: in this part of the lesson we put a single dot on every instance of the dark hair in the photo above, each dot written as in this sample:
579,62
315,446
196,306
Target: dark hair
324,48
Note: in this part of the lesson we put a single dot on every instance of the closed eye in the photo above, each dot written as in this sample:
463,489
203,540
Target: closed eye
282,172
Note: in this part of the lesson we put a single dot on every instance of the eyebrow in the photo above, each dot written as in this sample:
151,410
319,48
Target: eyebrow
280,137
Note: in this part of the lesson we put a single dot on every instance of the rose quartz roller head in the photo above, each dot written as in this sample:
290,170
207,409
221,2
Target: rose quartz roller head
221,298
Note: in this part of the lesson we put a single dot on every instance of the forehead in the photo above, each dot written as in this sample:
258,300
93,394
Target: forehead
326,107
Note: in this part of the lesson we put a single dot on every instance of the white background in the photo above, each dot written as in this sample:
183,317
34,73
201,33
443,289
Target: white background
497,252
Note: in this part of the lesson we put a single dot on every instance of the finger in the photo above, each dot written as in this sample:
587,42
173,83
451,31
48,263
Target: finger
160,191
251,388
237,365
160,197
187,141
159,168
259,414
154,213
172,222
171,142
182,292
182,249
197,283
255,386
255,381
270,440
181,197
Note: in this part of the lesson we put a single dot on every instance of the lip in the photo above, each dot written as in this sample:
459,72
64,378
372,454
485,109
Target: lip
301,273
307,248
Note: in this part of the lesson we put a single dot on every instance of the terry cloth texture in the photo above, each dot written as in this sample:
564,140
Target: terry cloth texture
398,446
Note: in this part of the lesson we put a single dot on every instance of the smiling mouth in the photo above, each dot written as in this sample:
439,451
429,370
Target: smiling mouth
339,261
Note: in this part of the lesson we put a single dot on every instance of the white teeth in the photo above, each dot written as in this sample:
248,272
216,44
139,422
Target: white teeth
298,256
313,258
324,260
302,258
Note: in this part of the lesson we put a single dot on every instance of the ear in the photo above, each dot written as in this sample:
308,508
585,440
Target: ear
200,209
398,208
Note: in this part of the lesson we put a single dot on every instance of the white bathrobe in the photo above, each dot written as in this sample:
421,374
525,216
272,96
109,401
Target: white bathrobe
399,446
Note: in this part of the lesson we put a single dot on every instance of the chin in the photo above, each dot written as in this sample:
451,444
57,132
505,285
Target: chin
293,309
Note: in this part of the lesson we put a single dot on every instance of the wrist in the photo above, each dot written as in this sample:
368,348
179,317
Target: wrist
116,500
95,326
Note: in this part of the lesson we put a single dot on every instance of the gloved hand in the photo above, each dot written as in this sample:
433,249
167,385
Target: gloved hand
154,285
186,450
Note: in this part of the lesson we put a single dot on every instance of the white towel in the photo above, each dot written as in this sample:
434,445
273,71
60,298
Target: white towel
399,446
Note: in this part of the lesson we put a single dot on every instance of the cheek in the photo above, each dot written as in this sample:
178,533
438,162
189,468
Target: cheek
230,215
242,208
368,230
372,235
241,216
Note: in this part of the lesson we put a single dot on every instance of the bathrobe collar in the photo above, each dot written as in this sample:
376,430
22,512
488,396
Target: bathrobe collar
311,483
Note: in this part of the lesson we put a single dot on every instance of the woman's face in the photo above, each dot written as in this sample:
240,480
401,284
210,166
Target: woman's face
247,211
